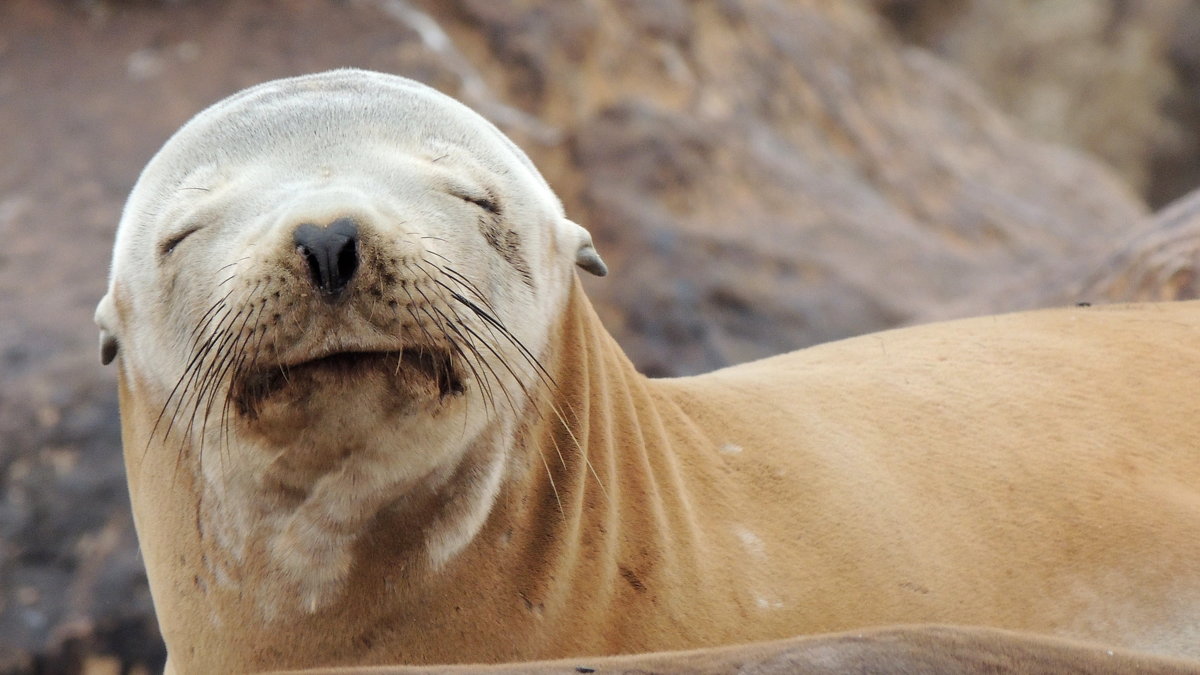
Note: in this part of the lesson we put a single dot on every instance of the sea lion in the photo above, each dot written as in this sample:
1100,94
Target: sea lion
370,417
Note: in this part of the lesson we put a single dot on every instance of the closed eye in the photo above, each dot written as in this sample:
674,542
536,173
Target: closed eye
485,202
174,240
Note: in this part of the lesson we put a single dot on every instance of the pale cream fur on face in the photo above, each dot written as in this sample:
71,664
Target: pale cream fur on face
305,476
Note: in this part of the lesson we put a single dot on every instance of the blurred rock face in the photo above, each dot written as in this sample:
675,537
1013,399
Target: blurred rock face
763,176
760,176
1116,78
1160,261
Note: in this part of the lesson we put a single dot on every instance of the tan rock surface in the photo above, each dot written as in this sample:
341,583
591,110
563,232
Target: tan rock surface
1160,262
763,176
1115,78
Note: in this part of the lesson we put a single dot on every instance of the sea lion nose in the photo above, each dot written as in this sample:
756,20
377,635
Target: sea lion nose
330,252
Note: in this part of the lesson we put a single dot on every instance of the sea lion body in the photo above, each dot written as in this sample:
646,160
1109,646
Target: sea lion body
924,650
514,490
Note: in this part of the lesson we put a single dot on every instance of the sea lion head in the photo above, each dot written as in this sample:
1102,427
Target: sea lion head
327,274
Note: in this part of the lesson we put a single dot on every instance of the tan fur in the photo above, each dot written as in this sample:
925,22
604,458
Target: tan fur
1036,472
905,650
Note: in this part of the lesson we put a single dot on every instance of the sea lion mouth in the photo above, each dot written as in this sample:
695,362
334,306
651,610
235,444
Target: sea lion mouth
430,365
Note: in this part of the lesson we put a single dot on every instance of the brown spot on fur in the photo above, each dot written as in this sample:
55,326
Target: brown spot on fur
634,581
915,588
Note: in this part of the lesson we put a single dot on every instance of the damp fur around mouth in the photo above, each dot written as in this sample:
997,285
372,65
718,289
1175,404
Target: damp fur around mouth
406,369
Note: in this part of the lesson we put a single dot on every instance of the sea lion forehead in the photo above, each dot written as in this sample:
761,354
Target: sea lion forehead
365,126
322,117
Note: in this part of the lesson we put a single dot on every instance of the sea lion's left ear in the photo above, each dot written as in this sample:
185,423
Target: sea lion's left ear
586,255
106,320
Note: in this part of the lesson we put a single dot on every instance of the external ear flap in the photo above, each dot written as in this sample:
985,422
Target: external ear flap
108,347
108,339
587,258
585,252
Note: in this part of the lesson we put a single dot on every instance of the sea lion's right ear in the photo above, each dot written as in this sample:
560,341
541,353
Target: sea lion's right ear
106,319
586,255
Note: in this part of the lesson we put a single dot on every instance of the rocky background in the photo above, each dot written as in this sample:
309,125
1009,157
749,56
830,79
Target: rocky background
760,175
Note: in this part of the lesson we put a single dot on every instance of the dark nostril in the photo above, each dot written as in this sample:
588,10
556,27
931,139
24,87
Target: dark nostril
331,253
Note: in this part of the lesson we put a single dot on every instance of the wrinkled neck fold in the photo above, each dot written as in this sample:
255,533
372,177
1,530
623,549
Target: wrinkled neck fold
615,490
